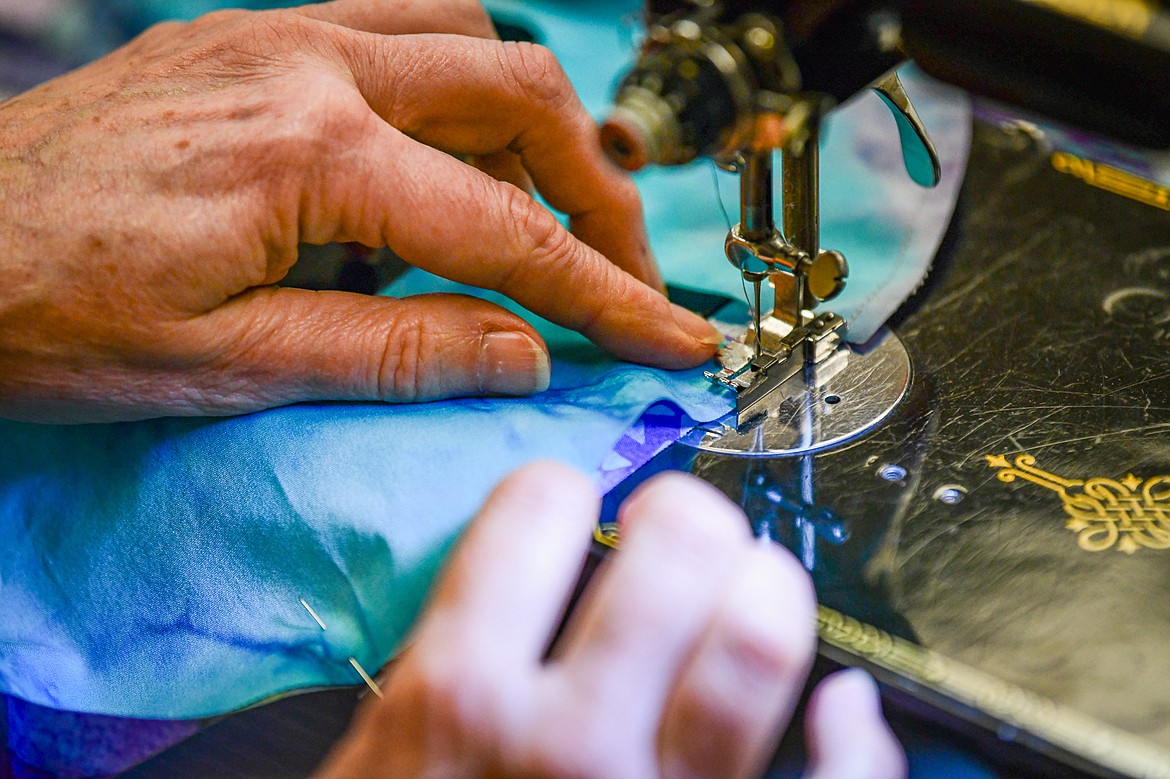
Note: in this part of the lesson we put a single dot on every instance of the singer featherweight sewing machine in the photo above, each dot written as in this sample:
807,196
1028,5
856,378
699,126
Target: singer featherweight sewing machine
982,489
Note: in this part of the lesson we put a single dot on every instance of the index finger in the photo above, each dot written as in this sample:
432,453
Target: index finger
509,579
471,96
458,222
456,17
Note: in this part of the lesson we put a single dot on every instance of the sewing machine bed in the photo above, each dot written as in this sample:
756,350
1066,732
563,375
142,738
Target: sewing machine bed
1028,539
997,551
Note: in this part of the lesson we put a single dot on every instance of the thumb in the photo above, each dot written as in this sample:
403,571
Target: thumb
272,346
847,736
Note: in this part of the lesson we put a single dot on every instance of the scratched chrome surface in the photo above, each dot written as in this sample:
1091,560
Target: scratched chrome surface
843,397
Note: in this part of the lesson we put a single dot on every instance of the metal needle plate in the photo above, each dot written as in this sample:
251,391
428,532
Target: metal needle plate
849,394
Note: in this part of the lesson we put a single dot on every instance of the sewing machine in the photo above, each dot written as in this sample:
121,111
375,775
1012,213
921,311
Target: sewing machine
736,81
885,465
725,84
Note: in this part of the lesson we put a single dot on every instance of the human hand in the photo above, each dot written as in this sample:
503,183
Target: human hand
151,201
685,657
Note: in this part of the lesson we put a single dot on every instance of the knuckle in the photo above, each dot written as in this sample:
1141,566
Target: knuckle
542,248
537,72
766,654
296,146
333,123
535,232
402,369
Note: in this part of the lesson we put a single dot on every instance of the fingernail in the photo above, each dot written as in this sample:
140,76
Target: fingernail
696,326
511,363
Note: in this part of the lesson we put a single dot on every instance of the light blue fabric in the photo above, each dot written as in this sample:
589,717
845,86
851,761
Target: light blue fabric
155,569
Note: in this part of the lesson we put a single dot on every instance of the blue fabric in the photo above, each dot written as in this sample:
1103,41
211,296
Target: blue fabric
155,569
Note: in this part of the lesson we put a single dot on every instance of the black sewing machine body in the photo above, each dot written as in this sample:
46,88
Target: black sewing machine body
1104,65
992,550
1012,517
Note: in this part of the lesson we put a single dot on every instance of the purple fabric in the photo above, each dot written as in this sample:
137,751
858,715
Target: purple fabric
660,426
63,744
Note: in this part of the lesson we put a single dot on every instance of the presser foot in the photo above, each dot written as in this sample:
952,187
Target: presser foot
810,392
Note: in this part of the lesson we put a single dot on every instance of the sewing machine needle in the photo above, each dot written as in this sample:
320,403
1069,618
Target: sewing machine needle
800,279
759,336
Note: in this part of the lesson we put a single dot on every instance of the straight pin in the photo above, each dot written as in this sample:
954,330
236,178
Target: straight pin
366,677
759,336
313,614
353,660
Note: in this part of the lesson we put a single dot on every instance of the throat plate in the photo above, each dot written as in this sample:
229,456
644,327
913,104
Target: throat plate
847,394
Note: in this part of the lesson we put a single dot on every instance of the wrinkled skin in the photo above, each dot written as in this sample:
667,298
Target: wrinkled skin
151,202
684,659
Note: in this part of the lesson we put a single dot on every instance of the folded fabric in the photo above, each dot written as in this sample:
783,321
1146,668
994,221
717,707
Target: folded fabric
156,569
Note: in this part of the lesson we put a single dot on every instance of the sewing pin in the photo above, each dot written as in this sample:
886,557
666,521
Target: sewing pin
353,660
366,677
313,614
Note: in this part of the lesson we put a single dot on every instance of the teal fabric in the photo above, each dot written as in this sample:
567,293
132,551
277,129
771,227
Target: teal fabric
155,569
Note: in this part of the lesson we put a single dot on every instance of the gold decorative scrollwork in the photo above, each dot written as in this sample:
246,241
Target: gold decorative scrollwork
1125,514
